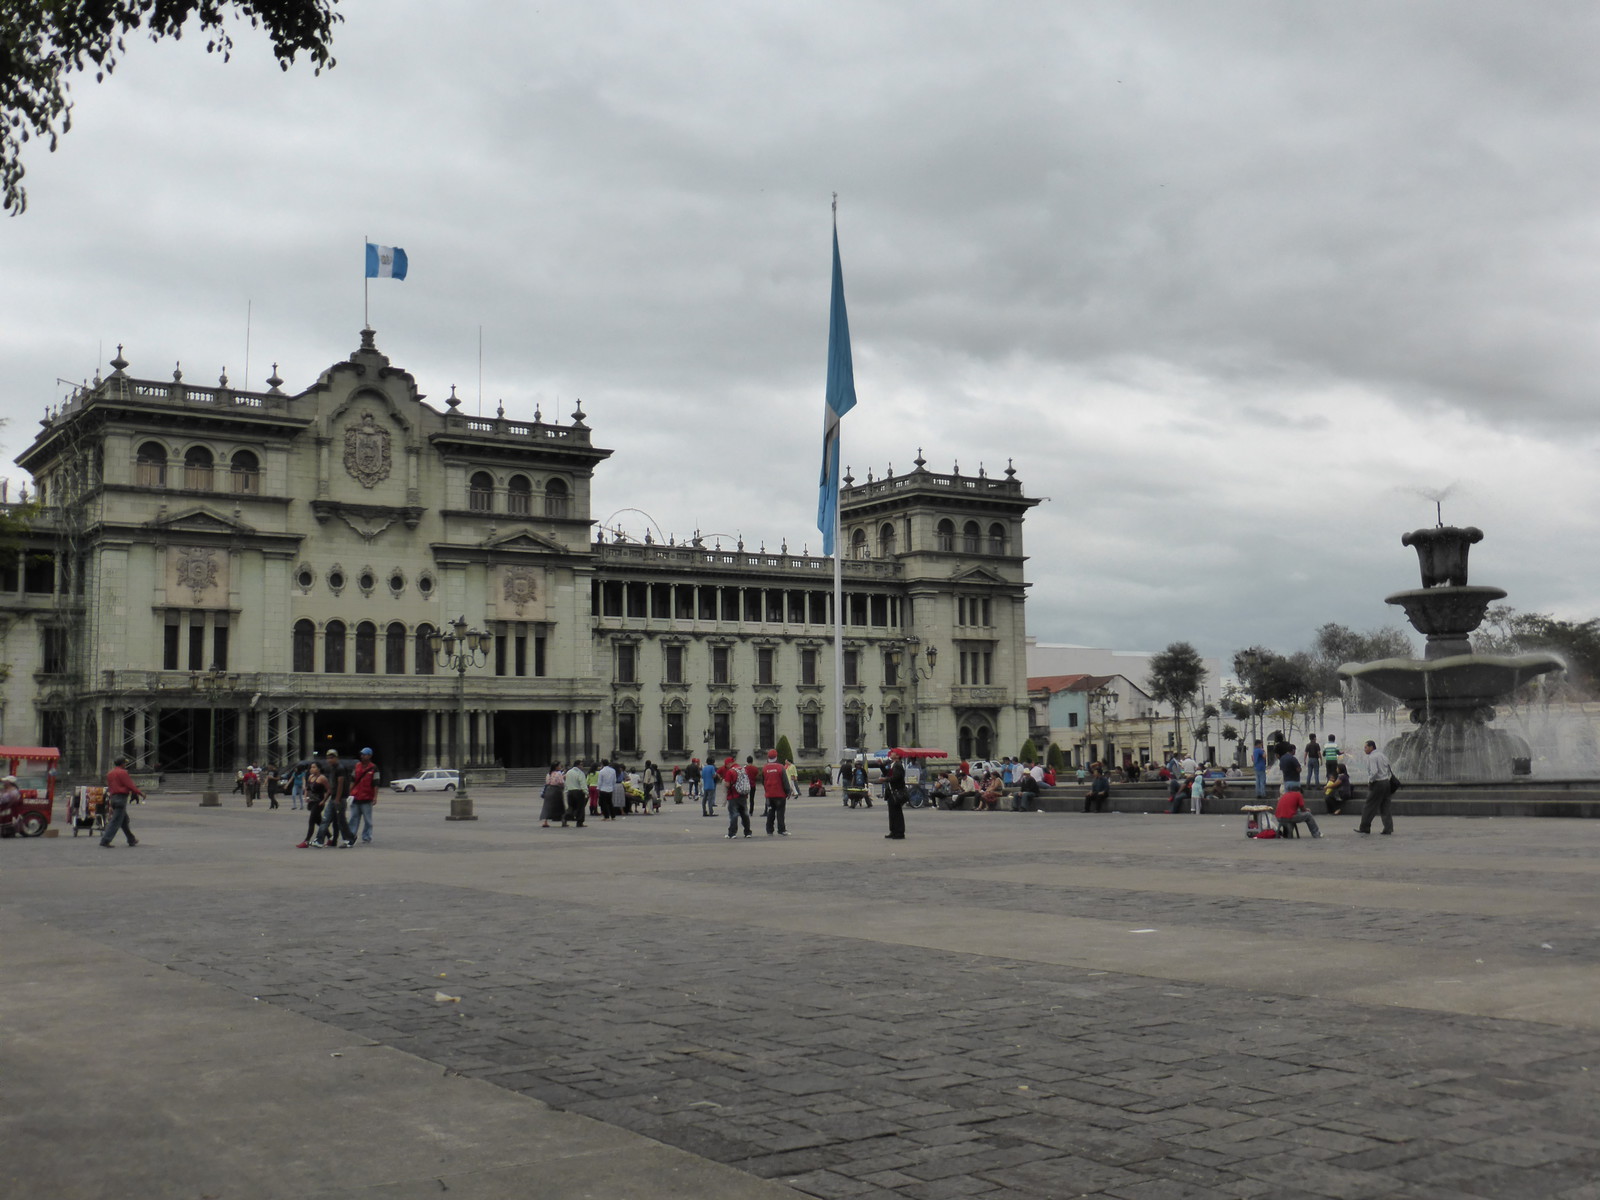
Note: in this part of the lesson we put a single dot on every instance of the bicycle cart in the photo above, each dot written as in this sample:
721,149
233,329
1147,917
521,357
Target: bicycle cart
88,809
34,767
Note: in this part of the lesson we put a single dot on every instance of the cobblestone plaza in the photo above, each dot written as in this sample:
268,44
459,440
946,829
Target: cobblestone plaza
1005,1005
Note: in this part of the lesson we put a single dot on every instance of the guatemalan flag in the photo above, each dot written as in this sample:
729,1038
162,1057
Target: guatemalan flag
385,262
840,399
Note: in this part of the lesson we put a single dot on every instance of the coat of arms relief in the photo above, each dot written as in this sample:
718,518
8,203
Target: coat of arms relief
520,587
366,452
197,569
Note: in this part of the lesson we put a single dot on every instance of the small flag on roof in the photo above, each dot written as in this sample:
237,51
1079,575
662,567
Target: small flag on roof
385,262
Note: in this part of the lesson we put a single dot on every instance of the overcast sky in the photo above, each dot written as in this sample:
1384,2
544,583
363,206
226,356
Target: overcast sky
1230,283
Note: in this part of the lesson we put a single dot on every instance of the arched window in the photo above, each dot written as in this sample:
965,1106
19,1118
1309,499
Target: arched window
333,648
964,742
858,544
947,534
556,497
150,469
997,538
422,657
305,646
969,537
366,648
480,492
519,496
394,649
197,469
886,540
246,473
983,742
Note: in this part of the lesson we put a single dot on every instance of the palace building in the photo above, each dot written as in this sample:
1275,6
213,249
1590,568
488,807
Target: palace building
215,576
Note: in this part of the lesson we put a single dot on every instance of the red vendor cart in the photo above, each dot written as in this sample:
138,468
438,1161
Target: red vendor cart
35,769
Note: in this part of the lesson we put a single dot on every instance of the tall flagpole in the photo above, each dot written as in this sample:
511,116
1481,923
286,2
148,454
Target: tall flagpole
838,573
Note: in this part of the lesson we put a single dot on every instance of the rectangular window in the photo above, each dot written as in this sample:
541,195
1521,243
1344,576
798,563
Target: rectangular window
891,728
636,599
988,617
675,742
627,664
674,664
500,659
810,731
764,656
1072,720
768,732
964,657
169,643
852,730
719,665
628,732
54,650
538,656
851,672
219,641
988,666
721,732
891,670
708,604
521,653
197,642
808,667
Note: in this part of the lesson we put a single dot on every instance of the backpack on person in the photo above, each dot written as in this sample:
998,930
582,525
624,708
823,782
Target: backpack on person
741,782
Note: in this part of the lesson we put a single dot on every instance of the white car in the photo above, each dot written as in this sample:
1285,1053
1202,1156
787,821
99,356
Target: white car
439,779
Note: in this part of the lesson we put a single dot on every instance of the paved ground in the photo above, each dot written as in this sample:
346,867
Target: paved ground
1004,1005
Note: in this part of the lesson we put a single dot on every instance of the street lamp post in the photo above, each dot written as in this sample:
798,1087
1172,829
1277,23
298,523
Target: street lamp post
1105,700
457,650
212,683
913,647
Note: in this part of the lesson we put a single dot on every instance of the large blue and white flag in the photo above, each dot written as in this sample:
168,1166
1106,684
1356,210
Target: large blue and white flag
385,262
840,399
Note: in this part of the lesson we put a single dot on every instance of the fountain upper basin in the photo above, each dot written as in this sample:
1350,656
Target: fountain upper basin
1460,681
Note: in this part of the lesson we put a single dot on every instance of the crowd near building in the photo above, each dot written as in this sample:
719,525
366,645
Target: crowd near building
216,576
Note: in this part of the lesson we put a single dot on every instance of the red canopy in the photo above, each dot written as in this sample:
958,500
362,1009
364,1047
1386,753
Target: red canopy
917,752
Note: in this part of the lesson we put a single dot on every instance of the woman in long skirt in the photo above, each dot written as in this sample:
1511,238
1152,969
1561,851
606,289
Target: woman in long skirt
555,800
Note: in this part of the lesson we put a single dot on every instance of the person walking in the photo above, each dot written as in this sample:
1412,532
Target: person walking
775,784
316,794
363,795
737,801
894,798
708,789
553,800
335,827
1380,787
1313,763
119,787
605,784
577,788
1258,760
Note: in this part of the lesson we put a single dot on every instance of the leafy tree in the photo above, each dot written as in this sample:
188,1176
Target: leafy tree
44,41
1577,643
1175,677
785,750
1029,752
1056,758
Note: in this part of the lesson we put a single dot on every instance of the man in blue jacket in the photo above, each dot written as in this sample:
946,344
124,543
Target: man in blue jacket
708,789
1258,759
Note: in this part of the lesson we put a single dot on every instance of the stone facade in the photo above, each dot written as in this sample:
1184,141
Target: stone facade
242,575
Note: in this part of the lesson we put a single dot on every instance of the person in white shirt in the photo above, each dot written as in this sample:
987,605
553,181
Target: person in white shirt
606,786
1380,786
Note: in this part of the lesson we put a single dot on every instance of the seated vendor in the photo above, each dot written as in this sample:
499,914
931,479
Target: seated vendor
1292,808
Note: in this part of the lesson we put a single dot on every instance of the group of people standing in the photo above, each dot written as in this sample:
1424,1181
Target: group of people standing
1338,791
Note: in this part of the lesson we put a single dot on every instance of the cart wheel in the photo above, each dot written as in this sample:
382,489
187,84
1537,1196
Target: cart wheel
32,824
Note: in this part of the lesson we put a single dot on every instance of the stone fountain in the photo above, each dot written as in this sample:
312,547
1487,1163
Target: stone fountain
1451,691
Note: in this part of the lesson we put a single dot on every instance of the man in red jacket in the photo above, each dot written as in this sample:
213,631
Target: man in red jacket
1292,808
363,794
120,786
775,786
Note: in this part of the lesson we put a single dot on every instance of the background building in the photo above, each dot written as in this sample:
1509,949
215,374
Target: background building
220,576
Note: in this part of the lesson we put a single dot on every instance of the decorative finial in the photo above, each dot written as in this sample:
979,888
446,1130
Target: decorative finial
501,411
869,474
741,543
577,416
177,372
955,469
889,474
648,540
273,381
982,474
785,549
119,364
369,339
454,401
222,380
849,479
920,461
538,414
1011,471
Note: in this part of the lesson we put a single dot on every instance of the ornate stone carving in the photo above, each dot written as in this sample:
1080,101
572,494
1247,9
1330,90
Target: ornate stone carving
520,587
197,569
366,452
